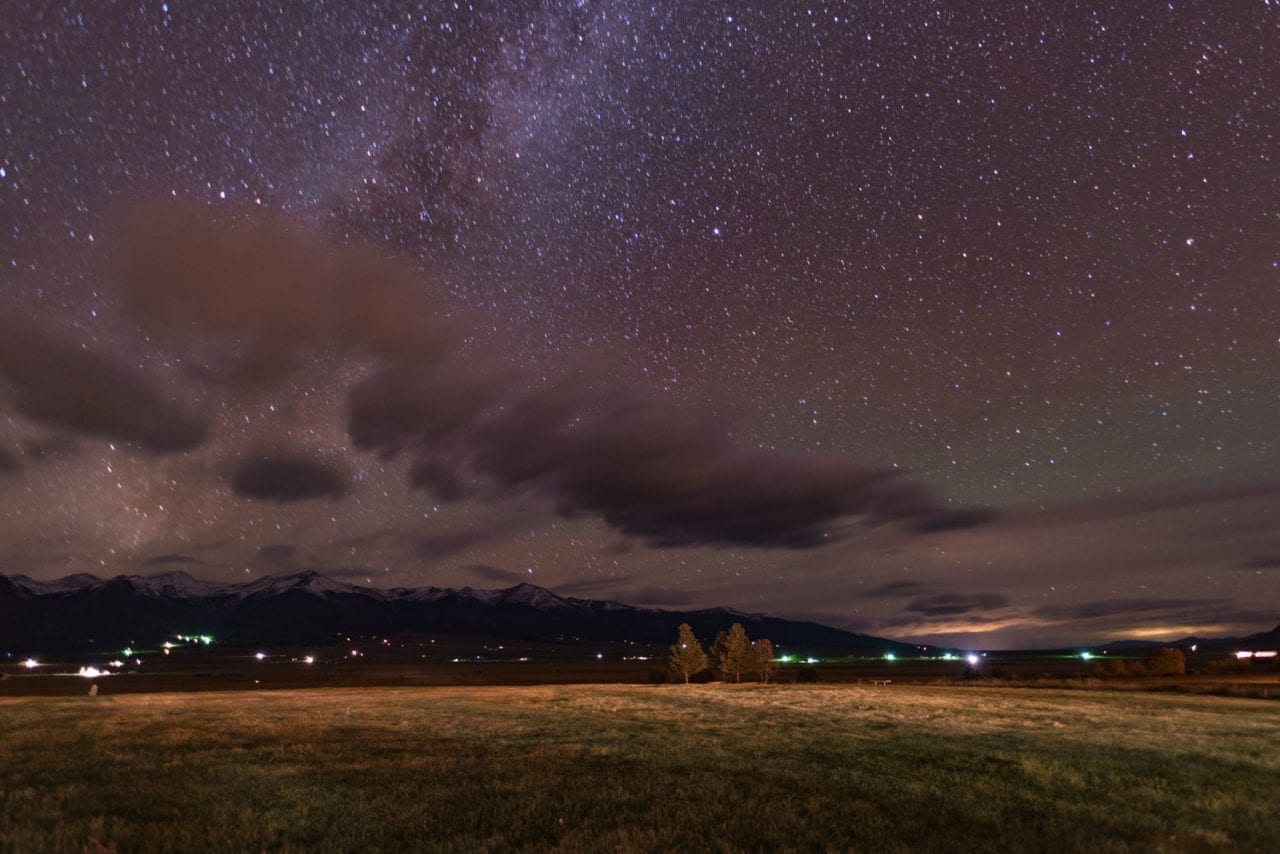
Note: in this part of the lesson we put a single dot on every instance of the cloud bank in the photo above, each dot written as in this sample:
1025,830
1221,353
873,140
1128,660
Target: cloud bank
287,477
273,294
54,381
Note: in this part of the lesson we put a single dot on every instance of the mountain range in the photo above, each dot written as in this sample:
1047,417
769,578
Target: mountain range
84,612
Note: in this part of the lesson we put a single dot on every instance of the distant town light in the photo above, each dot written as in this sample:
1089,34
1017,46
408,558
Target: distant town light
1086,655
91,672
310,659
973,659
888,656
259,655
31,664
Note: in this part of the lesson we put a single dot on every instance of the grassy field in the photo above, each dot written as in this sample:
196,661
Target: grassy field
589,767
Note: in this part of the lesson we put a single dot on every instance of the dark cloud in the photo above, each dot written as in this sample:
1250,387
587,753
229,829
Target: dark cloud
674,478
440,546
671,477
497,574
1125,608
1262,562
661,596
951,604
287,477
277,554
937,521
437,479
165,560
426,404
60,383
589,587
1171,497
897,589
269,292
393,538
49,448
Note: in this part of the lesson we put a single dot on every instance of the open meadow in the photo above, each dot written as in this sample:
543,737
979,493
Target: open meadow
613,767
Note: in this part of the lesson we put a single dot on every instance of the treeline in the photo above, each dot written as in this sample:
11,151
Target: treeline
733,654
1163,661
1166,661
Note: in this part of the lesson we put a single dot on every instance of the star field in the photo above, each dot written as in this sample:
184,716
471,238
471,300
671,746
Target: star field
1027,258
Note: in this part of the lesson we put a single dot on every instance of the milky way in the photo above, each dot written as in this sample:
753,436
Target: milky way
915,318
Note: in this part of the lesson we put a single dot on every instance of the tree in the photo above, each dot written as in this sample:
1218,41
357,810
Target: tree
1165,662
732,650
762,658
687,655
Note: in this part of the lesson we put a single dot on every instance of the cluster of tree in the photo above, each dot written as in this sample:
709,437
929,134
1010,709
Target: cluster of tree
1158,662
1227,666
732,653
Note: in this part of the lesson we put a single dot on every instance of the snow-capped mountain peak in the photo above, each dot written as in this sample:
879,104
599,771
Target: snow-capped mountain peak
67,584
308,581
174,584
533,596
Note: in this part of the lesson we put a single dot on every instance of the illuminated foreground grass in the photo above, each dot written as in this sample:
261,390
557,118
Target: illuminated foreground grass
630,767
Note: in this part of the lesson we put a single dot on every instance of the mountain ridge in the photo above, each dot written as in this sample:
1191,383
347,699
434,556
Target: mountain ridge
86,611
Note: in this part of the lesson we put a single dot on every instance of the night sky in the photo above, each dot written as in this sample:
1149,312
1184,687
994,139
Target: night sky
948,321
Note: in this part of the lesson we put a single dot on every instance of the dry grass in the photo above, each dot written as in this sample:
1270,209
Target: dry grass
641,768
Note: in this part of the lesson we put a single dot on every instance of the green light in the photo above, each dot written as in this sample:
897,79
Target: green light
888,656
1086,656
